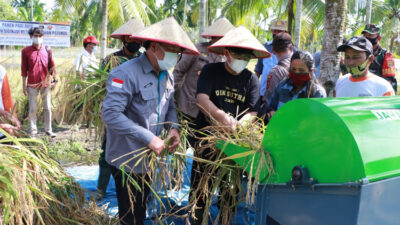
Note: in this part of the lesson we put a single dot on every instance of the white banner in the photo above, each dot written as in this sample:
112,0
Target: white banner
16,33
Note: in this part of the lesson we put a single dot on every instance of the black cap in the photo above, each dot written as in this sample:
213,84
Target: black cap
357,43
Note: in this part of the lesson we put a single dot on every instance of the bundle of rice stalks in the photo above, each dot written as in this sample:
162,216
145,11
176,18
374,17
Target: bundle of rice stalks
166,172
224,175
34,189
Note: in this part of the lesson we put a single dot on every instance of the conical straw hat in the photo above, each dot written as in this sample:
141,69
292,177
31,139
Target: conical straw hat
167,31
218,29
133,26
240,38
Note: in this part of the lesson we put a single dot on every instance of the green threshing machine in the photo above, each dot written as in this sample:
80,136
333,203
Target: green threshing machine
336,161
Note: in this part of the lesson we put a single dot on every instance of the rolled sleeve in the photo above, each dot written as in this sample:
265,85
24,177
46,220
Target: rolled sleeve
114,106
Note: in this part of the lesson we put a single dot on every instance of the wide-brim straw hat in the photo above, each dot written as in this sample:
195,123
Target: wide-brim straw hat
218,29
240,38
133,26
170,32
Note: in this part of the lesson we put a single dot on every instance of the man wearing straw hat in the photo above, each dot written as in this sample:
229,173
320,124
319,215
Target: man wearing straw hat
227,93
129,51
130,47
188,69
138,105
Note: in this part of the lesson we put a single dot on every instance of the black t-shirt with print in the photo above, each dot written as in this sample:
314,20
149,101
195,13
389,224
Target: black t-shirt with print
233,94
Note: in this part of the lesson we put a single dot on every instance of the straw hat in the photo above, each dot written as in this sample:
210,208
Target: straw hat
133,26
240,38
167,31
218,29
279,25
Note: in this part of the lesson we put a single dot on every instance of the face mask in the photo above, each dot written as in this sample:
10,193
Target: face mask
132,46
299,79
37,40
357,71
238,65
94,49
373,41
169,61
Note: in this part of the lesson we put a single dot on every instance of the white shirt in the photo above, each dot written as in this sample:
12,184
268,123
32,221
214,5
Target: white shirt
370,85
84,60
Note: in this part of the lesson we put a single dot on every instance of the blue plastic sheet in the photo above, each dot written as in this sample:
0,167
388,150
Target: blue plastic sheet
87,177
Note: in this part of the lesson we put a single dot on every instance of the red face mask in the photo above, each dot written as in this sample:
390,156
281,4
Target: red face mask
299,79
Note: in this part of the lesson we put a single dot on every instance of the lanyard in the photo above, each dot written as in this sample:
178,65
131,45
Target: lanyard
160,78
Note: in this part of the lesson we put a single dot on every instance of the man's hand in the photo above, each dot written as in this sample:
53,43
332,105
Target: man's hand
157,145
53,83
25,88
270,114
230,122
10,129
173,135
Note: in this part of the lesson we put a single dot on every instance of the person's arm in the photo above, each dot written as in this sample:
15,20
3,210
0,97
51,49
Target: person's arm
259,68
52,66
171,117
24,71
252,100
273,102
209,109
113,116
274,77
182,68
6,95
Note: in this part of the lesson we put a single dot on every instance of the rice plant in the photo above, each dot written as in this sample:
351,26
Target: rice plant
34,189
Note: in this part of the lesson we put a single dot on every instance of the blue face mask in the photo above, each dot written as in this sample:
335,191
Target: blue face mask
94,49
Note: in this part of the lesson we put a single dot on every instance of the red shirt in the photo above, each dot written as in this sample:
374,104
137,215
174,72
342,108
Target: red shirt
34,63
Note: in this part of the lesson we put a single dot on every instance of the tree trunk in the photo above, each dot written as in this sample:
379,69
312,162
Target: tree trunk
335,12
297,28
368,12
202,17
394,36
103,40
32,10
290,16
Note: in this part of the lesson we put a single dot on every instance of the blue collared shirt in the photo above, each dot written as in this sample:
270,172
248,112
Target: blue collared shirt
285,91
135,105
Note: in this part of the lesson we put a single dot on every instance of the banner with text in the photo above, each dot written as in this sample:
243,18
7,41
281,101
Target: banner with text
16,33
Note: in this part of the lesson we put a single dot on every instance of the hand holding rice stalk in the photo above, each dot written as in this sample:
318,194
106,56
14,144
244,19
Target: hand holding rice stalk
165,170
221,173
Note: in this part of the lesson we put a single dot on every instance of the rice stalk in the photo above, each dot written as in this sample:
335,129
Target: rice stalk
222,174
34,189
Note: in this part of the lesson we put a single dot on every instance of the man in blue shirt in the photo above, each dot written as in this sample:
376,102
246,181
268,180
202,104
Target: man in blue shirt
265,65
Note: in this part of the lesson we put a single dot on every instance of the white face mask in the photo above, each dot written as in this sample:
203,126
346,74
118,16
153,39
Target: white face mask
37,40
238,65
169,61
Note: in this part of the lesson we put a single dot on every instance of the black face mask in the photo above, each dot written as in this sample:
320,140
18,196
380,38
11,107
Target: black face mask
132,46
373,41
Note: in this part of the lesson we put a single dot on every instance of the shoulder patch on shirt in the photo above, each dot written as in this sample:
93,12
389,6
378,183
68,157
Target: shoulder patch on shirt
117,83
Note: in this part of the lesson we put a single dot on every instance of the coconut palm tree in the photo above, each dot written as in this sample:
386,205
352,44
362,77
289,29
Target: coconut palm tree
335,12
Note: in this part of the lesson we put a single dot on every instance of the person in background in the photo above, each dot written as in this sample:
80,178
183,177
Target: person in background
130,47
263,66
360,82
282,48
383,64
301,83
86,60
228,93
8,122
129,51
187,71
38,75
138,105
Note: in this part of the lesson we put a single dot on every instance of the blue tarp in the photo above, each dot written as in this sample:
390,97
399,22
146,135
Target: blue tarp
87,177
